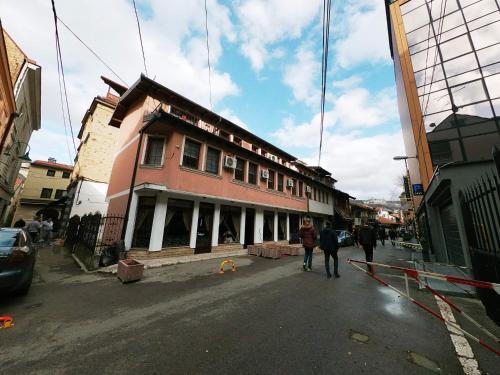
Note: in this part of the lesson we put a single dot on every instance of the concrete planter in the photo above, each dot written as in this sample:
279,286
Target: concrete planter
129,270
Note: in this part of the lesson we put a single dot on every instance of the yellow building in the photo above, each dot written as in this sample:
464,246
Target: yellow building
93,163
45,185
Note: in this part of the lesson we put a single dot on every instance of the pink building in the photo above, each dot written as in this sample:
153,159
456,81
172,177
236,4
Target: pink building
190,181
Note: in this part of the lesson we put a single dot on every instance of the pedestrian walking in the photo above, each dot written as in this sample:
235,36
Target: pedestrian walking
392,236
355,236
368,240
330,245
46,230
20,223
308,236
34,228
381,235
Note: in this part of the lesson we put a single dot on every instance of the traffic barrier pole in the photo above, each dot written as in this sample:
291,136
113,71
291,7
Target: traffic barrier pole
437,276
422,306
460,311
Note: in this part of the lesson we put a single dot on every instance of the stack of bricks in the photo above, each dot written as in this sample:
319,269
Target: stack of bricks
273,250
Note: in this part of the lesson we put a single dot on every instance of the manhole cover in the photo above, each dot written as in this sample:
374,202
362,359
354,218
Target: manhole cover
358,336
34,306
424,362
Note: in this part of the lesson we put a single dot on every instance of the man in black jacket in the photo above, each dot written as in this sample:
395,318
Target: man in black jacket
329,244
368,239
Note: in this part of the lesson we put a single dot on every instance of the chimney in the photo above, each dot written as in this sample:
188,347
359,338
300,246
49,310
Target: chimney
52,160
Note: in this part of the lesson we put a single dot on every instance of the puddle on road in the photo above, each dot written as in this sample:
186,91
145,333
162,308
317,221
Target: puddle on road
420,360
393,305
358,336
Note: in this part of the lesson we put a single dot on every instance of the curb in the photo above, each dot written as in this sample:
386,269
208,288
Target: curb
113,268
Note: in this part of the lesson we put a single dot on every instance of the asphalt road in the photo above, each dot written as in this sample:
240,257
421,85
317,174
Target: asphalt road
269,317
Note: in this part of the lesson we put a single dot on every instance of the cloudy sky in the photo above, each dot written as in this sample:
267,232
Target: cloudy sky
266,62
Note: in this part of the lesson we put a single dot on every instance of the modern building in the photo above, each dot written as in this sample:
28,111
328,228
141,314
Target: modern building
190,181
89,180
44,190
25,76
447,67
446,60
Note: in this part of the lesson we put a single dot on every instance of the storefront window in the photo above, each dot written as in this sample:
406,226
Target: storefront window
281,226
144,221
178,223
229,225
268,226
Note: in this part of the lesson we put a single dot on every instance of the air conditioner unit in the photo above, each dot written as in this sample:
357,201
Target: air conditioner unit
264,174
273,158
289,183
230,162
308,189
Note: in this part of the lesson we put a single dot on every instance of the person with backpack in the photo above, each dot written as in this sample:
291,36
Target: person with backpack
307,234
330,245
368,240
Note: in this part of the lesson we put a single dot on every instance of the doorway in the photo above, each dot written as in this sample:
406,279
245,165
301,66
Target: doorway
249,226
204,229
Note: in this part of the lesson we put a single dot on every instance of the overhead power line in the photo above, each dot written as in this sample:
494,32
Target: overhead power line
92,51
327,4
208,57
60,71
140,38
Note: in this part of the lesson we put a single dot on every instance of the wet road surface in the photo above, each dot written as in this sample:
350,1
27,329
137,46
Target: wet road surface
269,317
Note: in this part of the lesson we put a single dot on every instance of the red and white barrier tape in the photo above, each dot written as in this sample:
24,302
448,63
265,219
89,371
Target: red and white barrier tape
420,304
432,275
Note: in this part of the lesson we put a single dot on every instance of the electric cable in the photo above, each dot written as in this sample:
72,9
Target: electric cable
208,57
92,51
140,38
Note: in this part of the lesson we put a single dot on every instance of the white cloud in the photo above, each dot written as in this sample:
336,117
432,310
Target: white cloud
348,83
302,75
229,115
354,109
265,22
173,40
363,165
363,29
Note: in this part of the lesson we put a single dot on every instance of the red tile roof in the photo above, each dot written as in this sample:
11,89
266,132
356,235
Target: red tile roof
48,164
383,220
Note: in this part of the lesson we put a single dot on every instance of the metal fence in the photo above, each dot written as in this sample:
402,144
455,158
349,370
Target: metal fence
481,213
95,236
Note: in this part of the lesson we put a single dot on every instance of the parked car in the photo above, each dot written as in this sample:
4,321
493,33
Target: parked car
17,261
345,238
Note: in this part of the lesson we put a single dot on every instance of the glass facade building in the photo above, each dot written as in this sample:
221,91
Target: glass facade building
447,66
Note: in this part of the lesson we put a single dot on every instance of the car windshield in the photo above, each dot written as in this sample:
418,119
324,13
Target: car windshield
9,238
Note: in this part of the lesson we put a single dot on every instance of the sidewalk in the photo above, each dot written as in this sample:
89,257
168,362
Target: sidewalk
162,262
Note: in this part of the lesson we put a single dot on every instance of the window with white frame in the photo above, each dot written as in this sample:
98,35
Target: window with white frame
212,160
191,157
154,151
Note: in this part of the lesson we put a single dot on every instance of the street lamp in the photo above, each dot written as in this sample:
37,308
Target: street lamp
405,158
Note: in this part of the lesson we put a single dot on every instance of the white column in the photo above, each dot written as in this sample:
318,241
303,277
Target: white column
194,224
258,231
275,226
156,241
243,220
215,225
287,226
132,214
